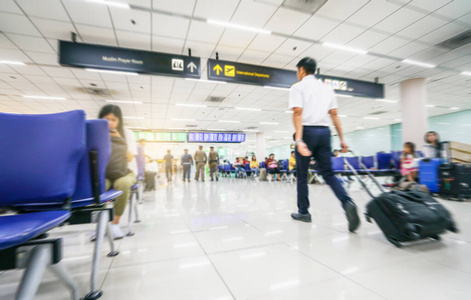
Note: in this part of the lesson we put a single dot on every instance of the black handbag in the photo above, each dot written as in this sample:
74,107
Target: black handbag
118,164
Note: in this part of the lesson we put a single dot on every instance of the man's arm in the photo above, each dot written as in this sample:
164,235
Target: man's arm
338,127
301,147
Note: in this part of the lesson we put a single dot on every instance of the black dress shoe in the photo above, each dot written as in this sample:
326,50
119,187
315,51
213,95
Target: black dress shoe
352,216
301,217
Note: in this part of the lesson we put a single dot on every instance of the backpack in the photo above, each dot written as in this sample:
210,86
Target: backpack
117,165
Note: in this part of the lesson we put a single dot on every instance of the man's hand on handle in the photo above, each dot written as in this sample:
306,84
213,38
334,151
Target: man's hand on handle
344,147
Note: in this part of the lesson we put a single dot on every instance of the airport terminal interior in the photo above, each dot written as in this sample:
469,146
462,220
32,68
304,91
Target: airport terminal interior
180,77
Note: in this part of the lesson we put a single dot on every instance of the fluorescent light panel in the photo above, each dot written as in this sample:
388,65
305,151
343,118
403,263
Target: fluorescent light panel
237,26
228,121
124,101
371,118
269,123
466,73
44,97
343,96
206,81
289,111
246,108
190,105
111,3
10,62
190,120
429,105
454,108
418,63
345,48
112,72
275,88
387,101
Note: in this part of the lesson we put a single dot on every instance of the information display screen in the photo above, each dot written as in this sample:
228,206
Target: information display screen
216,137
161,136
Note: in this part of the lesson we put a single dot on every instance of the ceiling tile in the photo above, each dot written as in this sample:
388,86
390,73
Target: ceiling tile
367,40
316,27
422,27
293,47
215,9
286,21
50,9
169,45
123,19
88,13
408,50
10,6
184,7
54,29
237,38
341,9
15,55
372,13
255,14
133,40
10,23
455,9
342,34
429,5
97,35
388,45
399,20
29,43
169,26
253,57
264,42
204,32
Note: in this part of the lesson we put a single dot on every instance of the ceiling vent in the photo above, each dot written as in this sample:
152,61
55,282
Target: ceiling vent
96,91
215,99
457,41
379,112
310,6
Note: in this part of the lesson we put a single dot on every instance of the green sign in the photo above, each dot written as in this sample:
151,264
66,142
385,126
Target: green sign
161,136
222,151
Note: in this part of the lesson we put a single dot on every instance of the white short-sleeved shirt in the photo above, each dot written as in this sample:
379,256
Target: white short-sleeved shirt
132,146
315,98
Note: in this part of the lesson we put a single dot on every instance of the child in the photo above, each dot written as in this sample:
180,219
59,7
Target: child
408,163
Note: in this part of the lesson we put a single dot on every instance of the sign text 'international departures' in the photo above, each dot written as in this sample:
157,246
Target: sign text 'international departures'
228,71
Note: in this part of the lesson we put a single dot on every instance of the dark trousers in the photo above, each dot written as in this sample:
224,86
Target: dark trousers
317,139
168,171
186,171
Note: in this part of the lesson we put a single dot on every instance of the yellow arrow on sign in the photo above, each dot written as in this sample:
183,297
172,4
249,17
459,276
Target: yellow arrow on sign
218,69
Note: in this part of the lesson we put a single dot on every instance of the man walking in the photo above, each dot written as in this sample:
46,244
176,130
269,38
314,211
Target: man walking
200,158
168,160
312,103
213,163
186,163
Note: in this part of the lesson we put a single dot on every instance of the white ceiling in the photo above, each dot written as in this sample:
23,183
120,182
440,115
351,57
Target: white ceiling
391,30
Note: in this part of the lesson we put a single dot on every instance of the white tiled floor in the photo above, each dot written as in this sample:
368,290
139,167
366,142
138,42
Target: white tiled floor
234,239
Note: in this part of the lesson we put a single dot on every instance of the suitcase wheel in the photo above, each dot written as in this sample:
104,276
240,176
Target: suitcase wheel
368,219
435,237
394,242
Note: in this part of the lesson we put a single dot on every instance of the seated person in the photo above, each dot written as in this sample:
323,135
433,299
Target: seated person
272,167
120,172
292,164
433,146
408,162
246,161
238,166
336,153
255,166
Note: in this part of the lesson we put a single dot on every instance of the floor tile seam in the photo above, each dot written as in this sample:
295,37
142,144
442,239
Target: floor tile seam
333,270
243,249
214,267
160,260
447,266
117,248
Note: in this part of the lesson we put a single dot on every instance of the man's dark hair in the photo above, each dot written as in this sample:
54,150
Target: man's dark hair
309,65
292,152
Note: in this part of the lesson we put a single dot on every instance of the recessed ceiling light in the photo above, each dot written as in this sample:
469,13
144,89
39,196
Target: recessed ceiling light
454,108
111,3
269,123
112,72
345,48
237,26
418,63
190,120
275,88
44,97
137,118
228,121
344,96
466,73
124,101
190,105
246,108
10,62
387,101
371,118
205,81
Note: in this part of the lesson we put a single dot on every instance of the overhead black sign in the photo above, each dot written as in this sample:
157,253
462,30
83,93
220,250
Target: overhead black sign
220,70
128,60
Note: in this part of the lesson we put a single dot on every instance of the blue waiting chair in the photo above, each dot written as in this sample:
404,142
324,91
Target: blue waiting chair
39,159
248,170
284,169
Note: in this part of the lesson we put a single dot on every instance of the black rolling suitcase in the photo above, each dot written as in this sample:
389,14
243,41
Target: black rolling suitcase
406,216
150,181
455,181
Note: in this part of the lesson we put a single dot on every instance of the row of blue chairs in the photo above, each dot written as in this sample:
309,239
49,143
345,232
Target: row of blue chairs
53,173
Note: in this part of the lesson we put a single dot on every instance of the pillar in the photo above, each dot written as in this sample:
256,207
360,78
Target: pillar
260,149
414,111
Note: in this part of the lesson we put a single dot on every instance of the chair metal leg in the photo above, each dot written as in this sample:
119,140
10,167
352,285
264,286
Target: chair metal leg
131,208
103,218
109,237
140,192
136,211
39,258
61,272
